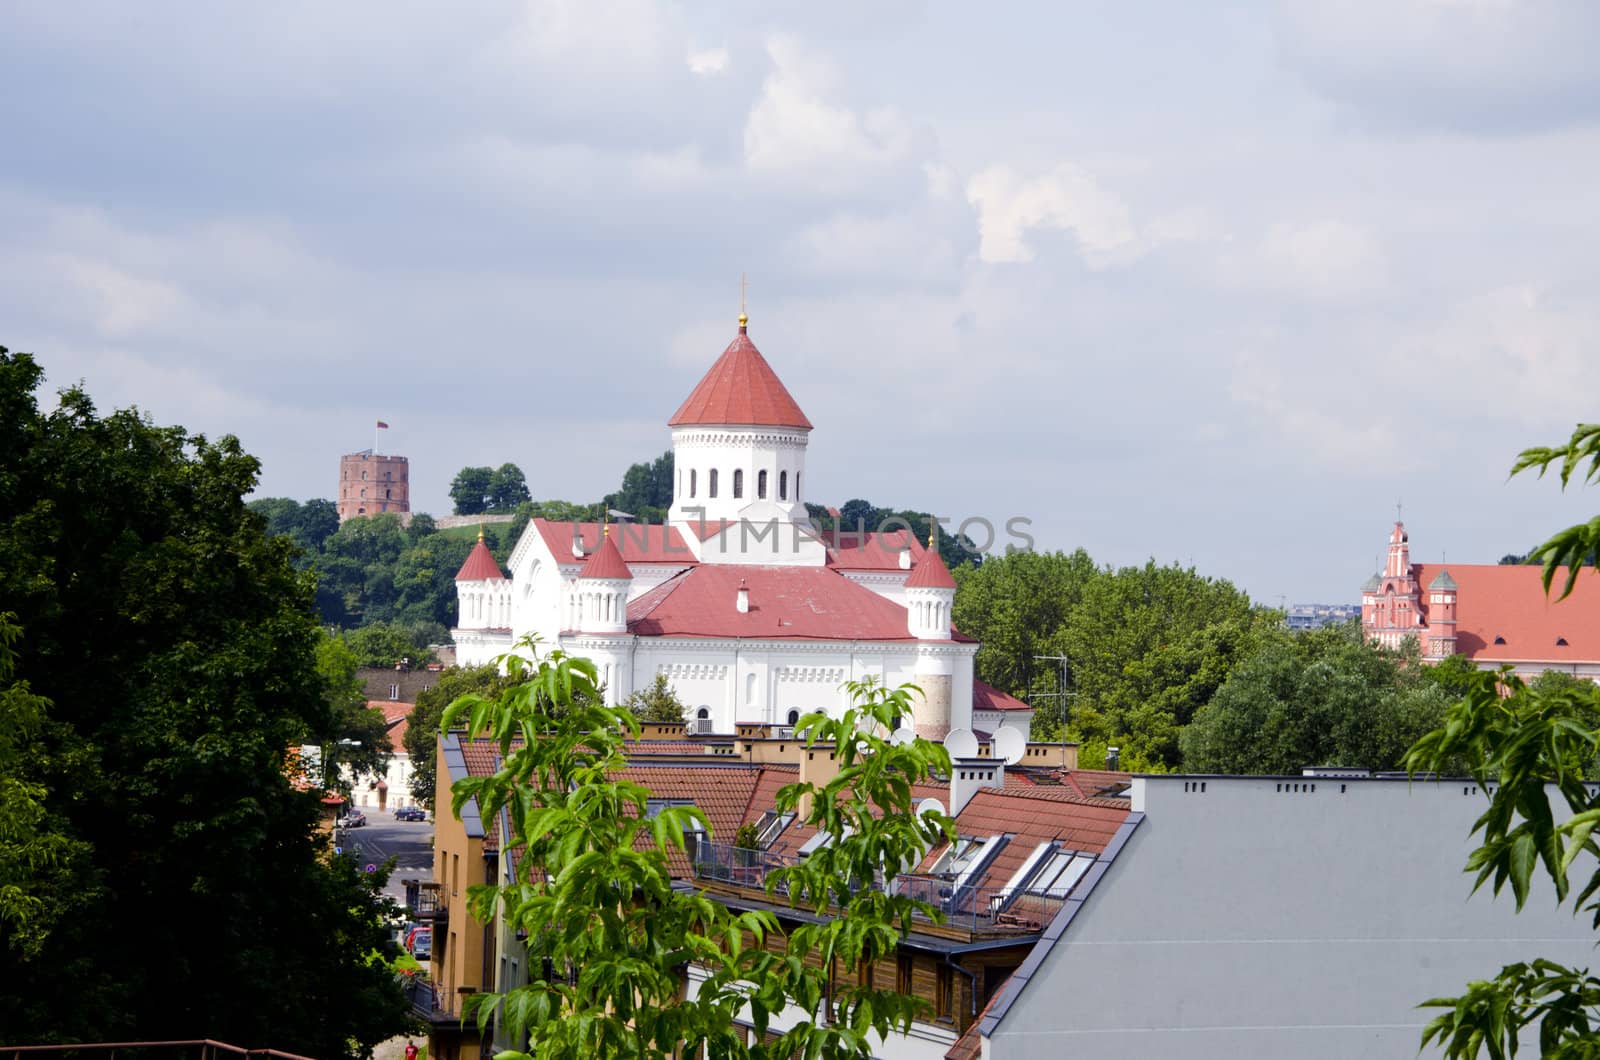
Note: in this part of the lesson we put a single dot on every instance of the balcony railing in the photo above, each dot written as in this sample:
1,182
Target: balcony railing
428,902
980,910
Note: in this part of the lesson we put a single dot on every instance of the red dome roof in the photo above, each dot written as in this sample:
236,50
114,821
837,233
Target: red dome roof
930,572
606,562
480,565
741,389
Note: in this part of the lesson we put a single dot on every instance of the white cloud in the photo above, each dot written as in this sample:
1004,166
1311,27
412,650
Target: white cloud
708,62
1066,198
1321,259
798,131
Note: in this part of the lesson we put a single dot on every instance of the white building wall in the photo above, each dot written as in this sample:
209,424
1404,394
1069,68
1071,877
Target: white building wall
1255,917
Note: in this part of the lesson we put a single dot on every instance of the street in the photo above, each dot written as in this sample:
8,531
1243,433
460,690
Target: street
409,842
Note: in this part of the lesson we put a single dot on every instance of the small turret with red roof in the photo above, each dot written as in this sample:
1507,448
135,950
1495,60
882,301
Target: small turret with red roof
483,592
601,590
930,596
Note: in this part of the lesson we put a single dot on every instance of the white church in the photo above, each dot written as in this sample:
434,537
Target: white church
752,613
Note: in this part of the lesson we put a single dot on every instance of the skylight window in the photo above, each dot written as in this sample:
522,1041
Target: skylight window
1049,871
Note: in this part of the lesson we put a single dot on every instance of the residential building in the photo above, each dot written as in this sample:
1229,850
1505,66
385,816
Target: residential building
1304,916
1493,614
1030,832
751,612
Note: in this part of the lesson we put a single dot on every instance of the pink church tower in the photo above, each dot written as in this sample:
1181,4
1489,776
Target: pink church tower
1390,603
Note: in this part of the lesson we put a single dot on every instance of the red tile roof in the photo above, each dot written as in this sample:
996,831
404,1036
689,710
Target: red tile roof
397,718
1031,819
741,389
480,565
638,542
799,603
870,550
930,573
1509,601
988,697
606,561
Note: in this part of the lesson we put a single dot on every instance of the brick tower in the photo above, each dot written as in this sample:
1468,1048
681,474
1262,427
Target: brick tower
371,482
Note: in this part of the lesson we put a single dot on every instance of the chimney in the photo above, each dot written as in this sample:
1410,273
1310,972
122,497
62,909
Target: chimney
818,765
577,544
968,776
905,558
743,602
1113,756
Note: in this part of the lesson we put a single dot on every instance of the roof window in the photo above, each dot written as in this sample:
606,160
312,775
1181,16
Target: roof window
1050,871
1561,642
1499,640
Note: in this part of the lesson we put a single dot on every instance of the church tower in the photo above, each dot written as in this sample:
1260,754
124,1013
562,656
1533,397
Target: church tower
739,455
930,594
1391,605
1441,642
599,601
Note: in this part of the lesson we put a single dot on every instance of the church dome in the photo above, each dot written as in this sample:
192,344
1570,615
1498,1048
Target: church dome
1374,583
740,390
480,564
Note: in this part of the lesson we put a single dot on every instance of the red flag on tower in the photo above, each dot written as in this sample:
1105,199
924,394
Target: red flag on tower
382,426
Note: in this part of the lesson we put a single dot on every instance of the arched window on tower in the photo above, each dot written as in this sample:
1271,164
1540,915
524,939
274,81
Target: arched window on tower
794,717
738,482
761,485
797,485
783,485
693,477
711,486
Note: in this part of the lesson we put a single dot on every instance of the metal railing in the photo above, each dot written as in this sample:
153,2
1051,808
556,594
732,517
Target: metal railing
981,910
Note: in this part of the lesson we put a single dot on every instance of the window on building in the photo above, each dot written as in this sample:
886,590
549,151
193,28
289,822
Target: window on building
738,482
797,485
1499,640
387,494
693,482
783,485
902,973
761,485
703,713
1561,642
394,693
711,484
794,717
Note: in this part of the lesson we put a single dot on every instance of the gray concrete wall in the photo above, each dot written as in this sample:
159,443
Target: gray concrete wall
1245,921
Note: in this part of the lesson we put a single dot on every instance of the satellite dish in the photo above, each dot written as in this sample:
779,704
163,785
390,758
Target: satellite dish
929,804
961,743
1010,745
902,736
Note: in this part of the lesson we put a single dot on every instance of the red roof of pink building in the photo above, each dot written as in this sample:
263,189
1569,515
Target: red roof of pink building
606,562
741,389
1508,602
480,565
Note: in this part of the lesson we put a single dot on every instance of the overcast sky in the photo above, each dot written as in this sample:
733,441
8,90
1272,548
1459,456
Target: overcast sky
1213,283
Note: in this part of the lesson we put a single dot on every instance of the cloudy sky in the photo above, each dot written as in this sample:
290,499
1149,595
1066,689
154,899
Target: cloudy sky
1213,283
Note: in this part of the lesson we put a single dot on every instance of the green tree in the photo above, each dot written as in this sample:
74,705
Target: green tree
1521,741
646,491
1147,647
1016,605
507,489
656,703
162,663
422,731
1323,697
358,740
470,490
384,645
594,891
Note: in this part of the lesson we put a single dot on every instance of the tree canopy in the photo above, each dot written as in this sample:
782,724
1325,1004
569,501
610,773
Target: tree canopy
657,702
159,661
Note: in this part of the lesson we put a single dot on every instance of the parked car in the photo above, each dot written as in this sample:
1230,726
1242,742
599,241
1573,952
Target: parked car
411,813
353,819
422,944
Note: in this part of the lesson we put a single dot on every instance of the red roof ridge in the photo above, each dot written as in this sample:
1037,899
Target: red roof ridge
930,572
606,561
480,564
740,389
